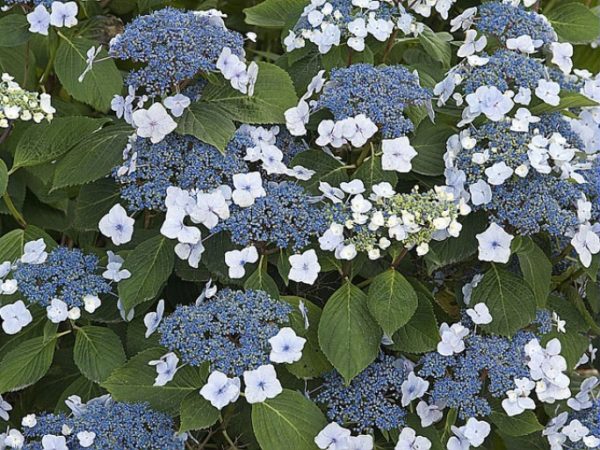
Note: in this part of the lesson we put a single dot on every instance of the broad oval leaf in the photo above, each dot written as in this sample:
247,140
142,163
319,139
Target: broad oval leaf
197,413
97,352
26,363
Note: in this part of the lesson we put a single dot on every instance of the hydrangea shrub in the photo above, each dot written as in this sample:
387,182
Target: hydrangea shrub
299,224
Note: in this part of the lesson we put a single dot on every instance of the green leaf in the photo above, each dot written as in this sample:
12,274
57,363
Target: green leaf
133,382
196,413
510,300
3,177
260,280
289,421
99,85
20,63
536,268
326,167
209,123
14,30
97,352
313,362
421,333
348,335
94,201
92,158
274,13
436,45
47,141
150,264
430,144
521,425
568,100
274,93
26,363
370,172
574,23
391,300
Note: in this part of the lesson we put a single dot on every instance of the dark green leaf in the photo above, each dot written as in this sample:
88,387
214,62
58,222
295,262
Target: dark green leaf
26,363
98,351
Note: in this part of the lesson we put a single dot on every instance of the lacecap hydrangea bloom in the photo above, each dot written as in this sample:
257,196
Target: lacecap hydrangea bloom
188,43
19,104
103,423
231,330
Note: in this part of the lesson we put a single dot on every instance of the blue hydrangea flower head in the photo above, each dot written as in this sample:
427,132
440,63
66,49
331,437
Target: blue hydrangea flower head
174,45
230,330
286,217
551,202
67,274
505,21
381,93
488,365
118,426
507,69
371,400
181,161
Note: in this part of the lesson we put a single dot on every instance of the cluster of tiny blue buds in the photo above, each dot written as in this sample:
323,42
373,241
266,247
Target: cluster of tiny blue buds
488,364
589,418
505,21
118,426
371,400
512,70
381,93
551,202
181,161
174,45
286,217
230,330
67,274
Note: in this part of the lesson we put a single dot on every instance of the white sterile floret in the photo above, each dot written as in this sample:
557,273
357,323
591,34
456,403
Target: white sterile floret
91,303
546,367
480,314
15,317
261,384
248,187
86,438
153,318
334,194
237,259
471,45
494,244
220,390
113,271
174,227
190,252
333,437
490,101
57,311
518,399
117,225
29,421
286,346
548,91
452,339
586,243
305,268
209,209
166,368
360,442
524,44
413,387
561,56
429,414
397,154
481,193
39,20
64,14
408,440
353,187
154,123
177,104
523,118
34,252
575,431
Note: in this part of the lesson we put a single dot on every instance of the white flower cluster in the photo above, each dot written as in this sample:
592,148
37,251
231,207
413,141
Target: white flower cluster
240,75
546,367
17,103
373,224
325,23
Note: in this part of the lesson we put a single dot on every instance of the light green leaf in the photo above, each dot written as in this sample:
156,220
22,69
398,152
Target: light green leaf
26,363
391,300
92,158
436,45
197,413
289,421
510,300
134,382
47,141
209,123
348,334
430,144
521,425
11,244
14,30
97,352
574,23
3,178
274,93
536,268
568,100
274,13
150,264
100,84
421,333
